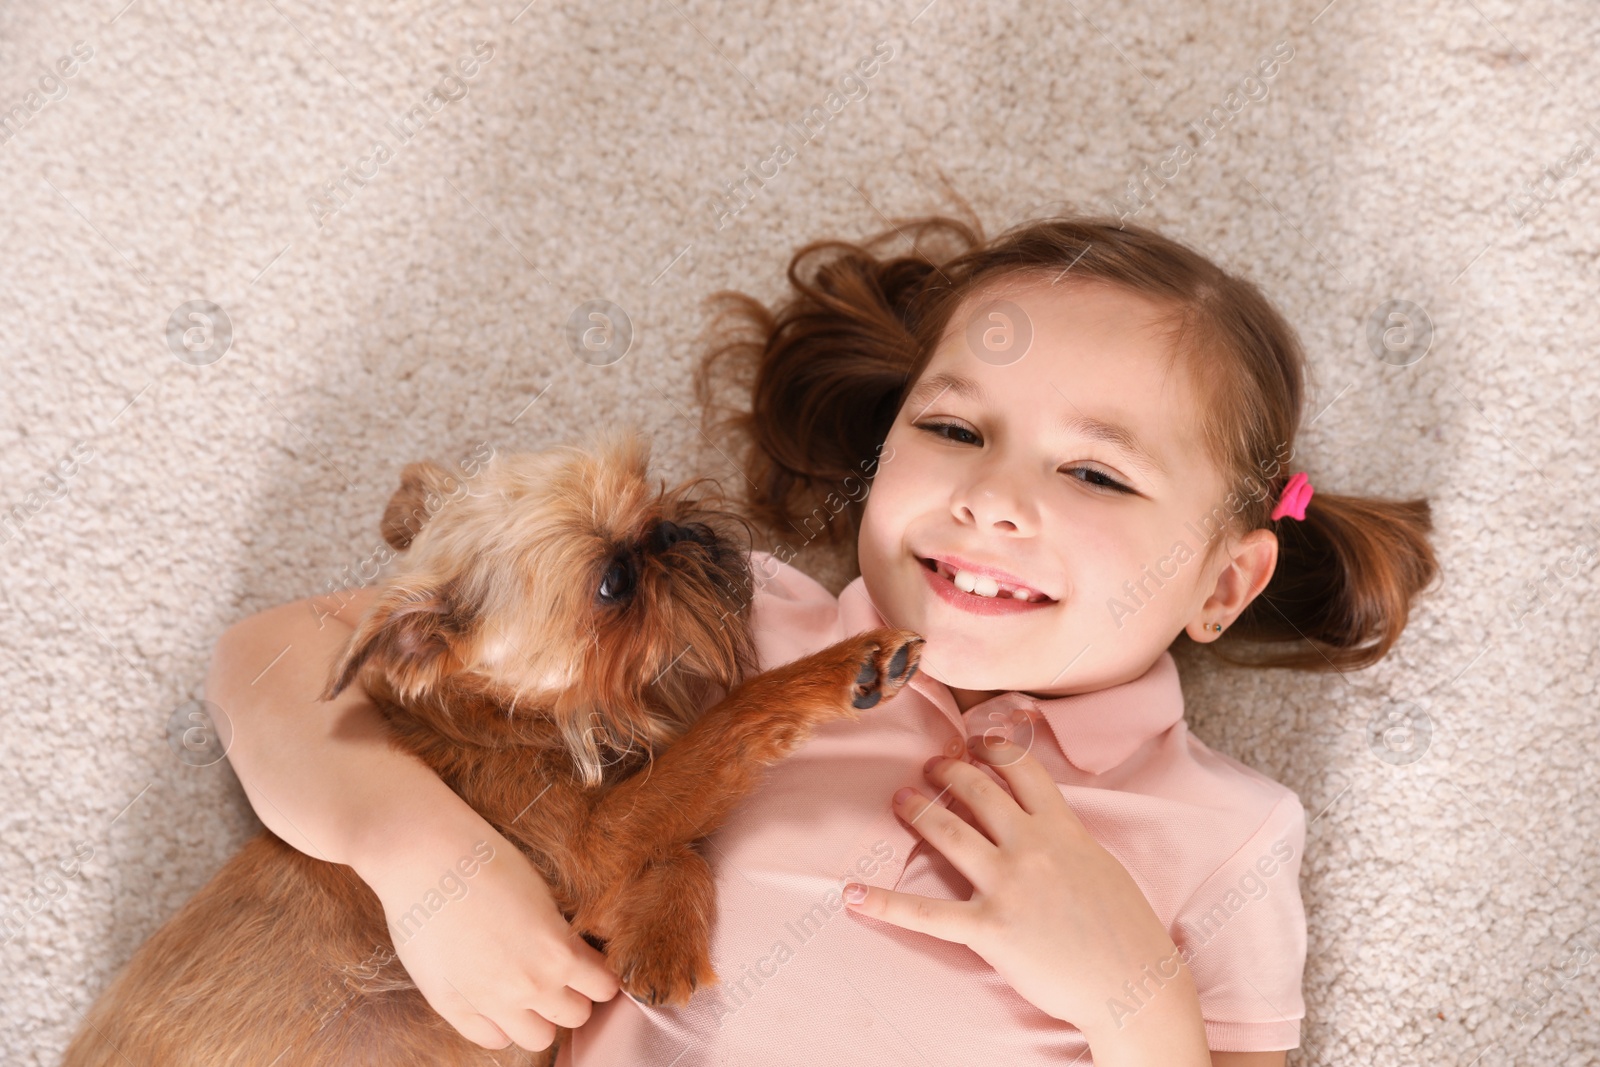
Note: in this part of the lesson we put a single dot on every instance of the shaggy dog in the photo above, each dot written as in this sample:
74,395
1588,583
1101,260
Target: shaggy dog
569,649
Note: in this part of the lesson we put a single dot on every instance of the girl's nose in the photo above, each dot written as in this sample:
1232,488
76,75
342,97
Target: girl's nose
989,502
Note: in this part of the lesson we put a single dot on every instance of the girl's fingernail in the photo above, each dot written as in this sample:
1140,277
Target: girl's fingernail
932,761
855,893
985,743
903,794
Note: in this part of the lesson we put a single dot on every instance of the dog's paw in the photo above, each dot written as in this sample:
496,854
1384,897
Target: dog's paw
887,663
656,976
778,710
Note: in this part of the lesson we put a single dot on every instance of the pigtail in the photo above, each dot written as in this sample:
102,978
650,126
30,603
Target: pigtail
1343,587
819,381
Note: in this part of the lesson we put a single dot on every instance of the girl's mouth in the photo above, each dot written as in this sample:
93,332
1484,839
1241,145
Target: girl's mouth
978,595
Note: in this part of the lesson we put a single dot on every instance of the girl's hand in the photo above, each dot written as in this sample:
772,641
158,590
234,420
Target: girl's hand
498,962
1054,913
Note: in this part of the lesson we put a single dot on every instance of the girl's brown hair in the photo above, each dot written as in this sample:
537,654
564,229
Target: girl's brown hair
827,371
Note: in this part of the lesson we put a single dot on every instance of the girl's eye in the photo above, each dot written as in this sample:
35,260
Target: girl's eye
1093,475
938,428
1099,478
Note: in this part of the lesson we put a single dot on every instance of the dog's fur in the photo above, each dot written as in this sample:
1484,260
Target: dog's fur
568,649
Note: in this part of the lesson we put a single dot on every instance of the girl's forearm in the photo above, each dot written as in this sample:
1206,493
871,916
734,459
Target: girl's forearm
1166,1032
322,775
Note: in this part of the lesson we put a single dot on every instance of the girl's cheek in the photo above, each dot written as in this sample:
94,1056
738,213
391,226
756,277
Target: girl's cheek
893,502
1125,594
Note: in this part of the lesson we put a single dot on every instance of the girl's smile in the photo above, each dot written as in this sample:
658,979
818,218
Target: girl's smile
957,588
1017,499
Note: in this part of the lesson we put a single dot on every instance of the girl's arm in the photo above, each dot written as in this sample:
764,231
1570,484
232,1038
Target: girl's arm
500,963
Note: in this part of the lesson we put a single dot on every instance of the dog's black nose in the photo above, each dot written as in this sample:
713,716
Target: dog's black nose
668,533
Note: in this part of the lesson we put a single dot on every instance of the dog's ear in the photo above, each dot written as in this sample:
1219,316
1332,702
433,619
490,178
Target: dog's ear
412,631
424,487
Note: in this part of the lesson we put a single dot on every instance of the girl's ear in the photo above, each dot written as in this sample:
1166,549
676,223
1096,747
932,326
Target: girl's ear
412,631
1247,570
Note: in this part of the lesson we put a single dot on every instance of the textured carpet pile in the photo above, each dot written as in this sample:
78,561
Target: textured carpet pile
259,255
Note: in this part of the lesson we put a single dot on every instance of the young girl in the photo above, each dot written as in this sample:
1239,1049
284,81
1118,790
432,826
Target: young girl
1059,453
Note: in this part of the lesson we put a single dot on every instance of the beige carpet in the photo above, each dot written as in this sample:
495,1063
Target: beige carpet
387,304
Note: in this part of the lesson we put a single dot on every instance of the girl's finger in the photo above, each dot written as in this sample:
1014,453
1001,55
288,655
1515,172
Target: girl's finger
996,812
563,1007
589,974
967,850
529,1030
479,1030
948,920
1030,783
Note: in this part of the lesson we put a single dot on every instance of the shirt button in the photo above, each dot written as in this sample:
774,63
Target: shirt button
955,748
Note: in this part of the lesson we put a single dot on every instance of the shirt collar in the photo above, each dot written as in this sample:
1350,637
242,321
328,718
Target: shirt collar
1096,731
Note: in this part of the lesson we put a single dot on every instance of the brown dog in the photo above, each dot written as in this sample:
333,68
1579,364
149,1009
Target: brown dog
568,648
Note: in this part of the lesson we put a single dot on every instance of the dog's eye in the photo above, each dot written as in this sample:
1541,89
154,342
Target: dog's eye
617,584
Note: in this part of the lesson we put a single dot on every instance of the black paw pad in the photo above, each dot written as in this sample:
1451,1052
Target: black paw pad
897,663
867,684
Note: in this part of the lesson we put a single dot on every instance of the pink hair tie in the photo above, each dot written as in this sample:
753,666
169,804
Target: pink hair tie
1295,496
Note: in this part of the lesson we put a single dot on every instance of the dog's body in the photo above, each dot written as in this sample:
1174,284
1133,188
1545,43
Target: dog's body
286,959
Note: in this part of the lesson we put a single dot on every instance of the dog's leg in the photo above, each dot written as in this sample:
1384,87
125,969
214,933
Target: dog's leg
660,947
640,831
690,788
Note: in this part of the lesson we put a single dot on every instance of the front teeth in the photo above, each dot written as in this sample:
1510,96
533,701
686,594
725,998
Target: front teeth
980,584
968,582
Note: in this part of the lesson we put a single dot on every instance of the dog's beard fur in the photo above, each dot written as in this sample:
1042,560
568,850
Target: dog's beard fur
499,601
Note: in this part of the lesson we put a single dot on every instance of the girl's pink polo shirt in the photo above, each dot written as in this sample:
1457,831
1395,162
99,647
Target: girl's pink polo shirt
1214,845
